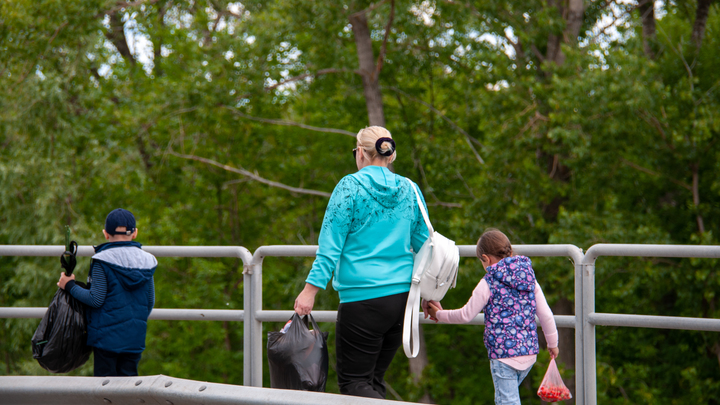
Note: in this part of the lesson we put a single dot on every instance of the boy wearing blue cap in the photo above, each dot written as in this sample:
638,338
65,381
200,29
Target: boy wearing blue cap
119,297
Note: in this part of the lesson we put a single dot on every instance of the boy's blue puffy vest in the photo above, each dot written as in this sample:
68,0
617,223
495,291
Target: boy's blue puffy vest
120,324
510,329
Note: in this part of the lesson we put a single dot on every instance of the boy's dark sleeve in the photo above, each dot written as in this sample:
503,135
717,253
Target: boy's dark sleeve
95,296
151,294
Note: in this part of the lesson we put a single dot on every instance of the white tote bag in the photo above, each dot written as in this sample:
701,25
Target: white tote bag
434,272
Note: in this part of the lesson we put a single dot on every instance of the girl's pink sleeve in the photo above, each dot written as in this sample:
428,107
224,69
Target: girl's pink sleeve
477,303
547,321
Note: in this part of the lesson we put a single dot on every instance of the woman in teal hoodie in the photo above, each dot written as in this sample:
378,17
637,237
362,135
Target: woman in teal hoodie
371,228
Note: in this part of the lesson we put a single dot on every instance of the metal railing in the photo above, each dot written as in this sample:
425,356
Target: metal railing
253,315
256,315
593,319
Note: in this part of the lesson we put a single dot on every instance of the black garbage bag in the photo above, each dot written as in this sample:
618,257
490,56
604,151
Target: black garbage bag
298,356
59,343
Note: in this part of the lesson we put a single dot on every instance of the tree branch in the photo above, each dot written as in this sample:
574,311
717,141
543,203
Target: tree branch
317,73
468,138
682,58
251,175
537,53
652,173
517,46
117,37
616,19
650,119
383,49
696,196
290,123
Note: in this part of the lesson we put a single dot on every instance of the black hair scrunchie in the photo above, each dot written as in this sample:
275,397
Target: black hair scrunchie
378,146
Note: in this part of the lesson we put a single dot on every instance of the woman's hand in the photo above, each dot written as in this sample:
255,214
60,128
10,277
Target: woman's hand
305,301
424,306
554,352
432,309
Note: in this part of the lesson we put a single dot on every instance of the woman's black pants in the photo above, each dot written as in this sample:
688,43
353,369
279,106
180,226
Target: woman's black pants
367,335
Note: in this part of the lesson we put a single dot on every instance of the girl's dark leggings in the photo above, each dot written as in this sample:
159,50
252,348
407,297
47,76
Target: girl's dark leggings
367,335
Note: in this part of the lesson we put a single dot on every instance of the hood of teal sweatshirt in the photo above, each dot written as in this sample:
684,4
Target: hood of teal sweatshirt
384,186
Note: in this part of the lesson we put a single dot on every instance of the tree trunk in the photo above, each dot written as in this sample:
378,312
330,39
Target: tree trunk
376,116
371,83
553,52
572,11
417,366
701,16
157,43
117,37
573,20
647,14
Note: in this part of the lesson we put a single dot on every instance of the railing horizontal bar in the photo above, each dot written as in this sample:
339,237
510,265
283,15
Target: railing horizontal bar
22,312
465,250
284,316
286,251
654,321
638,250
167,314
159,251
571,251
562,321
171,314
158,389
163,314
42,250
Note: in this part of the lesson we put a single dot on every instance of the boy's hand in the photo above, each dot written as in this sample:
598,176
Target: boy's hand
554,352
64,279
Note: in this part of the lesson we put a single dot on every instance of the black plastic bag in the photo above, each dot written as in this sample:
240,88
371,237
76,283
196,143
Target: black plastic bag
298,357
59,343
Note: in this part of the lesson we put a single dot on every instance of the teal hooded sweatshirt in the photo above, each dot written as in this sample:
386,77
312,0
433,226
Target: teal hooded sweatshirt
371,224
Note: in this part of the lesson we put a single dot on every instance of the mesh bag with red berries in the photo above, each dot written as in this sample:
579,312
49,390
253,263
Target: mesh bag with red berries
552,388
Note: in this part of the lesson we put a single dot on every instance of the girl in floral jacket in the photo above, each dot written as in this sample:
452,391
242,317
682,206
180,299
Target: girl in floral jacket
511,297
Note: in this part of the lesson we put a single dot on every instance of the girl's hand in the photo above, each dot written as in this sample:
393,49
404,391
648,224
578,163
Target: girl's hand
433,308
554,352
425,304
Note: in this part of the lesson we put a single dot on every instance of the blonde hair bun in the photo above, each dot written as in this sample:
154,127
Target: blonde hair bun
376,142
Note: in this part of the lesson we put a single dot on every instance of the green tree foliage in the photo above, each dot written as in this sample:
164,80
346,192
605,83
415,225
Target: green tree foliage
221,123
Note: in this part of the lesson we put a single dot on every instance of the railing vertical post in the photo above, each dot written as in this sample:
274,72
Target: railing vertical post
249,315
579,319
256,338
588,333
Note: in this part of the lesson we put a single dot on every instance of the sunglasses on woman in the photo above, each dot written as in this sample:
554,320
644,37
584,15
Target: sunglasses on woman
355,153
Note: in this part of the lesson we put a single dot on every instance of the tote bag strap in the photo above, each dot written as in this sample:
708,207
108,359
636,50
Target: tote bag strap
411,324
431,231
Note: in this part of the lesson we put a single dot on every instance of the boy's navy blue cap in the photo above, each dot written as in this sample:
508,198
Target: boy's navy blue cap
120,217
